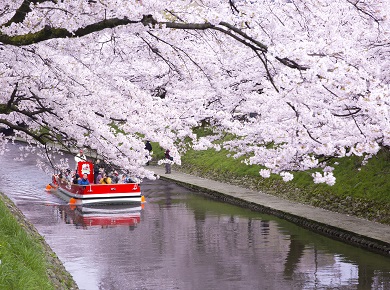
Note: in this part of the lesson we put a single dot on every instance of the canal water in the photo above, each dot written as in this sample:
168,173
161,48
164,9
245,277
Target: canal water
180,240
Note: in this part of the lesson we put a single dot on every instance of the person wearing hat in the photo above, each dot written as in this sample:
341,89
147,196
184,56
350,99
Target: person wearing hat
80,157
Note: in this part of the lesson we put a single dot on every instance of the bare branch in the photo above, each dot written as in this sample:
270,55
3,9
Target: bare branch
171,65
291,64
178,50
356,110
260,46
265,64
304,126
233,7
356,3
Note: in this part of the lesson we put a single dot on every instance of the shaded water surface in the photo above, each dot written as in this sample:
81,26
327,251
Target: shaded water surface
180,240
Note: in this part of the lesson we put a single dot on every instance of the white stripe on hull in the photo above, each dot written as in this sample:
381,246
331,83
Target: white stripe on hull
117,198
108,201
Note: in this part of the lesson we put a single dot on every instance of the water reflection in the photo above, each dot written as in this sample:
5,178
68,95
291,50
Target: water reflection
102,216
180,240
294,255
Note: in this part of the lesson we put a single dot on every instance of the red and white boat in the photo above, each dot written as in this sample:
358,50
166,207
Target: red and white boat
116,193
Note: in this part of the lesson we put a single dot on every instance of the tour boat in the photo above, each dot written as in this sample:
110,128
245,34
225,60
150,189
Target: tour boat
115,193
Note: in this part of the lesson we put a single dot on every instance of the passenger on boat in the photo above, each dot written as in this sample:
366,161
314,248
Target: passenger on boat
129,180
115,177
99,176
105,165
96,168
70,176
122,179
64,175
125,179
76,178
105,179
84,180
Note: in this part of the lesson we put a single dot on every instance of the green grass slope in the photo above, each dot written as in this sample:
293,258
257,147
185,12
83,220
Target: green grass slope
26,261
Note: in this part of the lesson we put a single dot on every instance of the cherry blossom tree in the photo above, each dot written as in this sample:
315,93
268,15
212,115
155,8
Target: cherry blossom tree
293,83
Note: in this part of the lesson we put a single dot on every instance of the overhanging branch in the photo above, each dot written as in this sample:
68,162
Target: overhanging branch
51,33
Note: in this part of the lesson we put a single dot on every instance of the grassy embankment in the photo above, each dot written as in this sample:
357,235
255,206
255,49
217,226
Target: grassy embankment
26,261
362,191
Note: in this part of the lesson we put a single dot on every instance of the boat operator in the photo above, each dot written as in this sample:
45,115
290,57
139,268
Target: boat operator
80,157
